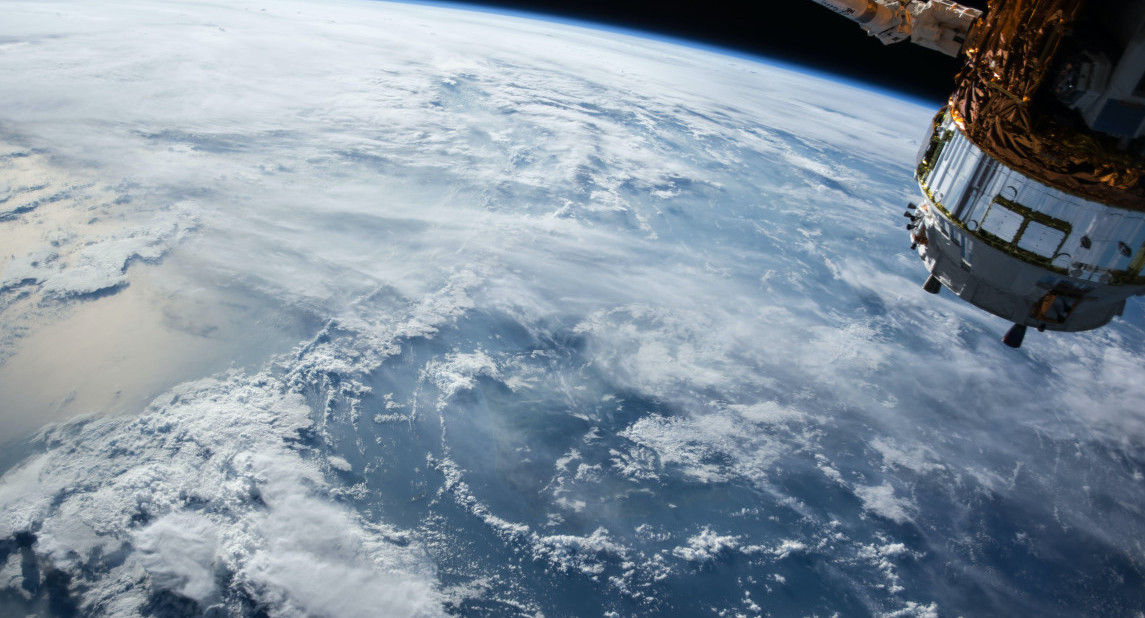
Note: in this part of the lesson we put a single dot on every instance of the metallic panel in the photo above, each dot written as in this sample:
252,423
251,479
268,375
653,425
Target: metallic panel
966,182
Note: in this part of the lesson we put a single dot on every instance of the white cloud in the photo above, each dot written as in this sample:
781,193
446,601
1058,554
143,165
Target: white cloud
206,484
706,546
178,551
918,459
882,501
914,610
459,371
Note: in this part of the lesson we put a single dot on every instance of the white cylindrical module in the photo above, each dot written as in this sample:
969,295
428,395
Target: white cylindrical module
1018,248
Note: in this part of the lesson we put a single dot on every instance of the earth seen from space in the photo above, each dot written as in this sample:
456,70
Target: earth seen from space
355,308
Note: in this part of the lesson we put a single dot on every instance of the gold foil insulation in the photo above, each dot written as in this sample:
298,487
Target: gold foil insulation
1009,54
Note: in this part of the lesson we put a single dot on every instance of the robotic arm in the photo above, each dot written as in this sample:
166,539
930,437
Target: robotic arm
935,24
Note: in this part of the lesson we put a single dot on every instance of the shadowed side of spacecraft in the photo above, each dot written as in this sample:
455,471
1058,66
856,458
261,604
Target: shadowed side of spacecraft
1033,203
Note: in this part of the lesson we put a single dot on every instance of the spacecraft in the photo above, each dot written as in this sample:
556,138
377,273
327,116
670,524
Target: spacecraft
1033,200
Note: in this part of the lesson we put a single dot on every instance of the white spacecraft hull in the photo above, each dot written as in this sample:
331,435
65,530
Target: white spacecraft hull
1017,248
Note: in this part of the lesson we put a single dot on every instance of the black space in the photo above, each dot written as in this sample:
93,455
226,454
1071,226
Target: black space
793,31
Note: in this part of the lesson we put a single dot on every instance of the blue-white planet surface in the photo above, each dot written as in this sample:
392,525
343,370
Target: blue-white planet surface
351,308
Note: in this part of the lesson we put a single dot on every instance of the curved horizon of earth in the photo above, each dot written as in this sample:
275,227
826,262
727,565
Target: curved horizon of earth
360,308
